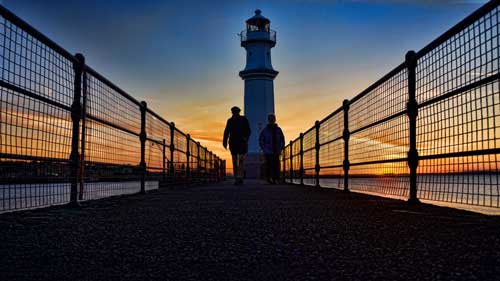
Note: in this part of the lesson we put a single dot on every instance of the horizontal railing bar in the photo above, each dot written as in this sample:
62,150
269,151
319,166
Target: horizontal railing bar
380,161
383,120
332,166
33,158
36,34
94,118
155,141
330,141
338,110
309,149
33,95
461,154
157,116
378,82
109,164
308,130
485,9
110,84
181,132
465,88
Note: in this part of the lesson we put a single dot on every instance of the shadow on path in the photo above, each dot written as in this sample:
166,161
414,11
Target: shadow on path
251,232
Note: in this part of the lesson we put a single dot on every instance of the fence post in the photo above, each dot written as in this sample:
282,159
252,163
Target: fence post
317,147
284,164
76,116
81,174
205,164
142,137
224,170
221,169
412,109
188,156
291,162
198,173
164,154
172,149
301,159
346,135
210,164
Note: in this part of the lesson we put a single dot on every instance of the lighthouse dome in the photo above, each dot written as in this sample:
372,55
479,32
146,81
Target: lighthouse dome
258,22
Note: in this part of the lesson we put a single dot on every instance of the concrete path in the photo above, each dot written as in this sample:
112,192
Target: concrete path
251,232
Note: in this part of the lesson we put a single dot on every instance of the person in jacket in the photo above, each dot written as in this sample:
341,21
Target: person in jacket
237,133
272,142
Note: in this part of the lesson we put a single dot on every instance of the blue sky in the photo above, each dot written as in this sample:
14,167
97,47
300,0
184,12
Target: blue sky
183,57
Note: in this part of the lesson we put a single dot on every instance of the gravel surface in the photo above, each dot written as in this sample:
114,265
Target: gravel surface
251,232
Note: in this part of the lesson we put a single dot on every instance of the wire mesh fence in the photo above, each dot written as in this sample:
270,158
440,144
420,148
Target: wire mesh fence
429,129
69,134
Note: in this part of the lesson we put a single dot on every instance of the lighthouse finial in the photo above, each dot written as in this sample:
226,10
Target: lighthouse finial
257,12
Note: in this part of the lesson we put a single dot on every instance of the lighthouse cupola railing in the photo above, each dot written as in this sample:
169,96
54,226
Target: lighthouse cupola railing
258,28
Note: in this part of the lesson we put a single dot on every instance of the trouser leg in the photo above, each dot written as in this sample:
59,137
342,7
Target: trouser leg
269,166
241,166
235,166
276,167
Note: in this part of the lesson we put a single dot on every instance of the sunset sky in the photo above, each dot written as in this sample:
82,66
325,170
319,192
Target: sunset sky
183,57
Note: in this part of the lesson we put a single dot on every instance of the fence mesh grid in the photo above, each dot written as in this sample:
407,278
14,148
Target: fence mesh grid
37,90
457,126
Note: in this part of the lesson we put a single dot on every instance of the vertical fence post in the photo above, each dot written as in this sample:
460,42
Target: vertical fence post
142,137
188,156
164,156
76,116
81,174
210,166
317,147
412,109
198,168
224,170
221,169
205,163
284,164
172,149
301,159
291,162
346,135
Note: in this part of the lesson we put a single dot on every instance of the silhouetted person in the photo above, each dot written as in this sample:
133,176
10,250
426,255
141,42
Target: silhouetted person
237,131
272,142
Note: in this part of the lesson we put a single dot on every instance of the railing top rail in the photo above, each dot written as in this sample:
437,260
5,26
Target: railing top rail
338,110
483,10
110,84
157,116
4,12
378,82
180,132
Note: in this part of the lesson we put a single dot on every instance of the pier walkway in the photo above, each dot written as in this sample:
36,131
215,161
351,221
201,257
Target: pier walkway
251,232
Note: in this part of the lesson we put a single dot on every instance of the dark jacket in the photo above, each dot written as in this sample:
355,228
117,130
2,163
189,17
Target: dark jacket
237,131
271,139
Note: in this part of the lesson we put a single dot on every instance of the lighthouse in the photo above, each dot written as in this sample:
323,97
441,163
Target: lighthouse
258,39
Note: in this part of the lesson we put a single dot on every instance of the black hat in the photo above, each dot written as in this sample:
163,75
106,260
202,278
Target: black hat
235,109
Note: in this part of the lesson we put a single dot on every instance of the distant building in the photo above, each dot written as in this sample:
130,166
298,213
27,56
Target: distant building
257,39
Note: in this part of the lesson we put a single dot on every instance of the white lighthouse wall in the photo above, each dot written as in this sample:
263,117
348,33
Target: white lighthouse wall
258,56
259,102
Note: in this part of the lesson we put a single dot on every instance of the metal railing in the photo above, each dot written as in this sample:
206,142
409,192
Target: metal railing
429,129
246,35
69,134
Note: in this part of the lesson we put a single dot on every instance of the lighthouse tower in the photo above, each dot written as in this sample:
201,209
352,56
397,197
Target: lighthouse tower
257,39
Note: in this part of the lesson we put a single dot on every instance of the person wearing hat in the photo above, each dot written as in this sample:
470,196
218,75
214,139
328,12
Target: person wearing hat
237,133
272,142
